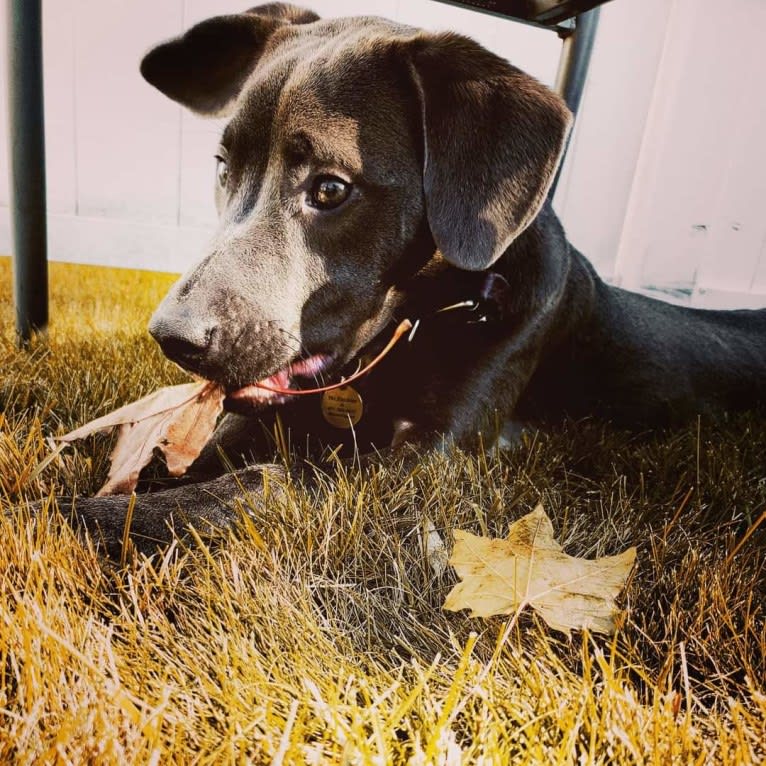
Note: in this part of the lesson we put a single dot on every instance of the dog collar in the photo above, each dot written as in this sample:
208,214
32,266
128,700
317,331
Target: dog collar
343,406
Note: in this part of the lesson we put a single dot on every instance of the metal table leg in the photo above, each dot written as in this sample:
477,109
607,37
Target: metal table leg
573,67
27,173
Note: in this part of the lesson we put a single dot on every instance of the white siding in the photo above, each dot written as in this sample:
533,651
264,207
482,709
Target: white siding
663,186
696,215
593,193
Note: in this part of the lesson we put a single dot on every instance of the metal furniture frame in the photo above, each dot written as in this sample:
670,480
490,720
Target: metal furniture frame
27,166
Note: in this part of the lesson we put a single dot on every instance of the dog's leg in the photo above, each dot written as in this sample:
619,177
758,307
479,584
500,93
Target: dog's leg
510,436
237,441
208,507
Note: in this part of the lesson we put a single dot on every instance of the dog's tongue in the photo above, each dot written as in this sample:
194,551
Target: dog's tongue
310,367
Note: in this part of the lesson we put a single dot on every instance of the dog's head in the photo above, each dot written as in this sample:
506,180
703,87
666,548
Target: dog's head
354,148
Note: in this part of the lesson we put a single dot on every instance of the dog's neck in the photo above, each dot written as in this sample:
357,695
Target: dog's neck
535,266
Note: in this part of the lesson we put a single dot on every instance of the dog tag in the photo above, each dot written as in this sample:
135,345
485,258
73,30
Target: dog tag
342,407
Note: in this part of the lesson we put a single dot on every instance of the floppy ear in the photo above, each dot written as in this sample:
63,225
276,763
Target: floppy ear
205,68
493,140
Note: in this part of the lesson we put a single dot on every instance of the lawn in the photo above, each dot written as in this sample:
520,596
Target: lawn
315,634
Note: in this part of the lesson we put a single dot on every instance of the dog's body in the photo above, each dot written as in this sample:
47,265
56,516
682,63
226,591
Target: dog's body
372,172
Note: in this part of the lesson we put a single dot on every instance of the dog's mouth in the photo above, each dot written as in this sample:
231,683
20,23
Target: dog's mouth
311,375
308,370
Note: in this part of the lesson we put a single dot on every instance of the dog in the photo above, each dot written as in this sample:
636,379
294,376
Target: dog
371,172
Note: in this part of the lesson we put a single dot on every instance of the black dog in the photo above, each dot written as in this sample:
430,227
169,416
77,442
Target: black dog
371,172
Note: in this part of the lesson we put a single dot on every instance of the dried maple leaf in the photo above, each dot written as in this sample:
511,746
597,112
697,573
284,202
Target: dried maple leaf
177,420
530,568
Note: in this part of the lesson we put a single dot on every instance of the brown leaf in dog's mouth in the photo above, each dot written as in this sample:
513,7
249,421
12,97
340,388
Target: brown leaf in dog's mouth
176,420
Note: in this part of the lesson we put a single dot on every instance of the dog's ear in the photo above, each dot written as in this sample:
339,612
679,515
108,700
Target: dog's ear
493,138
286,12
206,67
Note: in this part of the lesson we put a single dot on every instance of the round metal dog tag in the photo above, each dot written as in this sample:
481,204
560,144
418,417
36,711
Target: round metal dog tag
342,407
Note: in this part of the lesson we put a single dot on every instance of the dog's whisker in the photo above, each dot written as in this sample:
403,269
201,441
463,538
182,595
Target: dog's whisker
298,344
317,376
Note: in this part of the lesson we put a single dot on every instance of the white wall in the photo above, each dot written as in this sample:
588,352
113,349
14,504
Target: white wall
665,159
696,218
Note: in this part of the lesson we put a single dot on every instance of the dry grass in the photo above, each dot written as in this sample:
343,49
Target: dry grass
316,635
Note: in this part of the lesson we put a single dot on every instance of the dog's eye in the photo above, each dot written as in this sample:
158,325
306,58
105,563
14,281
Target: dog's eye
328,192
221,171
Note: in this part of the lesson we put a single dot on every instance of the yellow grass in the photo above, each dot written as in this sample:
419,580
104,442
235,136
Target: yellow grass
315,634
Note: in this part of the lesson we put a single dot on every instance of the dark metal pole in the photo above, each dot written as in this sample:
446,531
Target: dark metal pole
575,58
27,175
573,67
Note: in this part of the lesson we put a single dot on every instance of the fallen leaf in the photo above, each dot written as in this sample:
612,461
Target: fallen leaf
177,420
530,568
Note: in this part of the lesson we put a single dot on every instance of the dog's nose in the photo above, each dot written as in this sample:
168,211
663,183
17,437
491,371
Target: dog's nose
186,342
